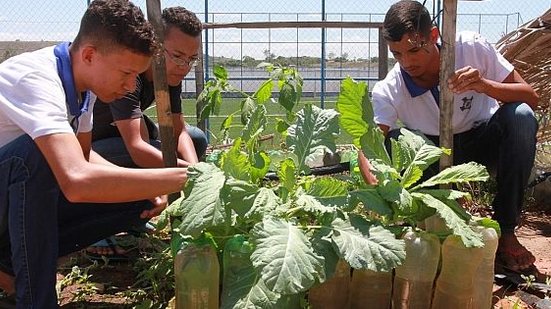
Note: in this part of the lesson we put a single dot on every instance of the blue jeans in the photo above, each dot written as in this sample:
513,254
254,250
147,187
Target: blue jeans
40,224
114,150
506,145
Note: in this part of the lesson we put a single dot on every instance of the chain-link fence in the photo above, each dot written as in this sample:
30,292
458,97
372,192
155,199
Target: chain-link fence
323,56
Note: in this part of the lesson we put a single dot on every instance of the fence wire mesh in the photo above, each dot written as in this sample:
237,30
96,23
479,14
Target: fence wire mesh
323,57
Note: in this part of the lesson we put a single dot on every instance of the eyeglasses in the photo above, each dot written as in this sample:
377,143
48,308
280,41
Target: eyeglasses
191,63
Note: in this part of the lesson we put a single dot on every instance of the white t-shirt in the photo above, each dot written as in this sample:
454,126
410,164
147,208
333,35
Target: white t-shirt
392,101
32,100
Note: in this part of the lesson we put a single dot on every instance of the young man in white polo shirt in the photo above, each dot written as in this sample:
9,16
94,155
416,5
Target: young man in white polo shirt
56,195
501,136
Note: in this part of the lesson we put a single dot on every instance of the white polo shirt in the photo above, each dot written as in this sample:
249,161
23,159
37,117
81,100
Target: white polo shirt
32,99
398,98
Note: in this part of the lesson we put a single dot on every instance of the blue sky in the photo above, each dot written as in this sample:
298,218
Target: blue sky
58,20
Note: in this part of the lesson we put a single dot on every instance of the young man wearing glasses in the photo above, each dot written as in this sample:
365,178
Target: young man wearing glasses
123,134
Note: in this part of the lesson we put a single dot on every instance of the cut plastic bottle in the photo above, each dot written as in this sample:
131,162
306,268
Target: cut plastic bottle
414,279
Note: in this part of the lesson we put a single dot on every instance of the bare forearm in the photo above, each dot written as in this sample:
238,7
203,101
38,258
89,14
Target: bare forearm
117,184
96,158
365,169
82,181
146,155
186,150
512,92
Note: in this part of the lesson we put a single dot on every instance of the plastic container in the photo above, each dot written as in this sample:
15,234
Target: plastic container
236,259
454,286
333,293
414,279
370,289
484,279
435,224
197,273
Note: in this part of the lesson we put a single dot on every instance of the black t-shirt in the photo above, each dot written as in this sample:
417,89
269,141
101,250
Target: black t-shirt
130,106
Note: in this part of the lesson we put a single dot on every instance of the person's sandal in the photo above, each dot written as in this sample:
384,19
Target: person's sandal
110,243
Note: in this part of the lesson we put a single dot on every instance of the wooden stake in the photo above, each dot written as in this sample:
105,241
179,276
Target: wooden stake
447,67
162,98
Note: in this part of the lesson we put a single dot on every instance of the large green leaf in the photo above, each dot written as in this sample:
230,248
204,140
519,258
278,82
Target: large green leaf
235,163
453,221
405,203
241,287
314,131
457,174
312,204
326,187
287,177
202,206
371,200
449,197
220,72
284,257
248,106
239,195
257,297
329,192
260,165
424,157
373,145
254,127
365,245
389,189
287,96
265,202
264,92
353,109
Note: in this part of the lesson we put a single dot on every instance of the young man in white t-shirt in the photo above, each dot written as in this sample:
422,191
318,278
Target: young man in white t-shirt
502,137
56,195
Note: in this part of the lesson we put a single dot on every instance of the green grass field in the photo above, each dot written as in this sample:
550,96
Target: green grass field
230,105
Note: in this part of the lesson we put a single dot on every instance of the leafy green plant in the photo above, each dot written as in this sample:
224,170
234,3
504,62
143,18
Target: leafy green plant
80,277
289,85
299,226
401,194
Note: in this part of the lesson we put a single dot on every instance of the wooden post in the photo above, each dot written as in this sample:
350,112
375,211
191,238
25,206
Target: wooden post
447,67
162,98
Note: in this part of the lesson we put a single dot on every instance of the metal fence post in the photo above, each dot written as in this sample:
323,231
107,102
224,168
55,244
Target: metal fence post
206,67
322,60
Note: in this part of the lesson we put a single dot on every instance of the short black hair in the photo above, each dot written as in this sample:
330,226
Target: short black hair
183,19
406,17
110,24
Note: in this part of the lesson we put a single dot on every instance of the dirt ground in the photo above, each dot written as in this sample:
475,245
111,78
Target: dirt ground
534,234
113,285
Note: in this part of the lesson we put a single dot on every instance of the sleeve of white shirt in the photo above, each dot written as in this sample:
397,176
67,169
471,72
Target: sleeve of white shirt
494,66
37,105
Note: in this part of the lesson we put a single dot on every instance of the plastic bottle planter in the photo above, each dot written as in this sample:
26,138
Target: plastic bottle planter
370,289
414,279
484,278
454,286
197,274
236,259
333,293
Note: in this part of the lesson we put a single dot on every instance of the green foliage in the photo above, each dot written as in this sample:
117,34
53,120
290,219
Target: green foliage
401,195
252,111
299,226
